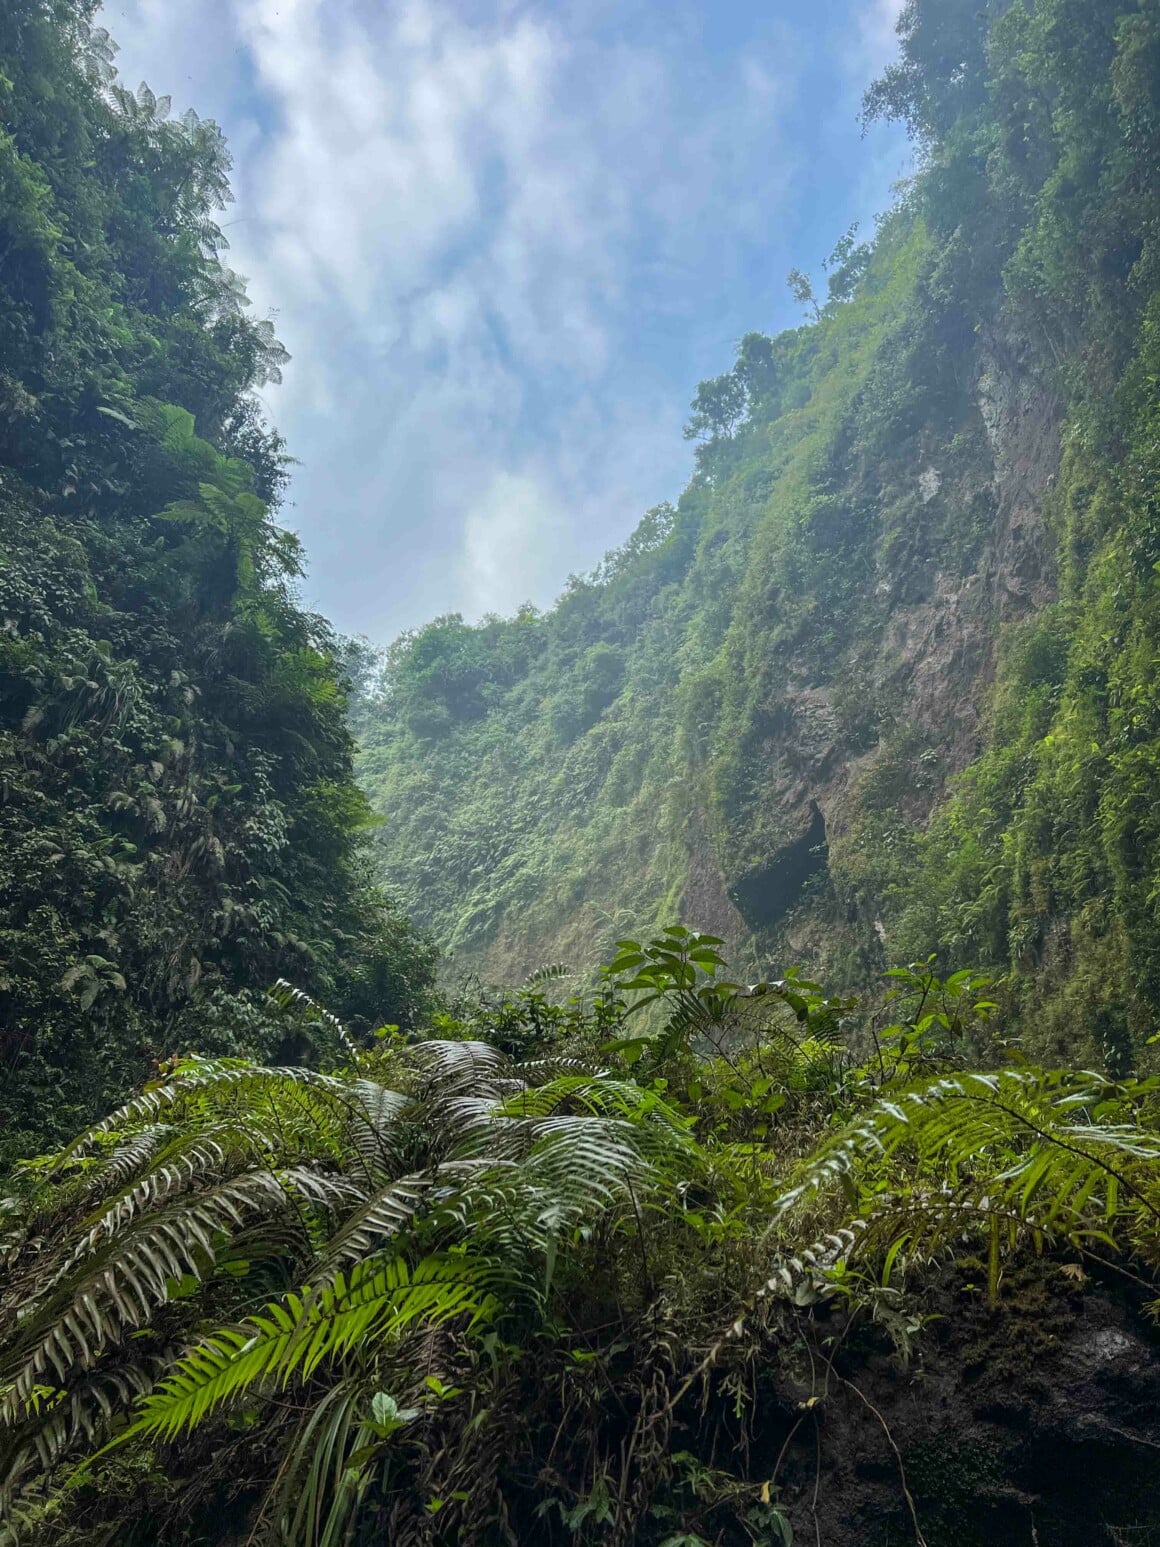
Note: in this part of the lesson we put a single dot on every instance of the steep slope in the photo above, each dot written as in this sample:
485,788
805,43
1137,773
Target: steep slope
178,820
881,683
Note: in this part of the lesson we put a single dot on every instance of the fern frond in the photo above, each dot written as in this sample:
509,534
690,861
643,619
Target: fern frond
467,1127
381,1216
55,1423
659,1133
597,1094
538,1071
69,1187
130,1158
292,1337
454,1066
584,1161
125,1282
375,1125
284,996
200,1085
188,1157
1017,1146
573,1168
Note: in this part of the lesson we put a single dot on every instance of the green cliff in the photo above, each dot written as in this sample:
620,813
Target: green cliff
883,682
179,824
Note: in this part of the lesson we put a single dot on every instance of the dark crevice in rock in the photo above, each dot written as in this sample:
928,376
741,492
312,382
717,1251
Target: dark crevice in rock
765,894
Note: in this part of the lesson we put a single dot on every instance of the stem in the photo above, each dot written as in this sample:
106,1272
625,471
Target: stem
862,1397
645,1263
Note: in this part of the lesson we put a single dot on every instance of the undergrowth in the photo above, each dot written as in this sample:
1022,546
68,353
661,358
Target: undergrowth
552,1272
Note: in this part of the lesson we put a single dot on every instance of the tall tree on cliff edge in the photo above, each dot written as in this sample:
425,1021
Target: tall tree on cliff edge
178,821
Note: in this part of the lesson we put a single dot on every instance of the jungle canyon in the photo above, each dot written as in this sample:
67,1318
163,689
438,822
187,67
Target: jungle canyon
331,1210
848,702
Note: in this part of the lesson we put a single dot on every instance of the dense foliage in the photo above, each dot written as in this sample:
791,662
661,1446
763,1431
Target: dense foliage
591,1288
178,822
750,711
508,1266
1047,853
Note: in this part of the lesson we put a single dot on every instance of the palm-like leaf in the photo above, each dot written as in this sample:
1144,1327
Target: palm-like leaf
442,1196
292,1337
1061,1154
121,1285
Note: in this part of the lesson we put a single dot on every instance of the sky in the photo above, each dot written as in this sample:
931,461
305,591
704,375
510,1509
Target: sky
502,242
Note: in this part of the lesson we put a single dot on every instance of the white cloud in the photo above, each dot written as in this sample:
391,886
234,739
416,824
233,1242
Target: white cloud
511,543
474,223
876,38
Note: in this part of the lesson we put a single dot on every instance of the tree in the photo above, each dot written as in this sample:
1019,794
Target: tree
802,289
180,824
718,407
847,265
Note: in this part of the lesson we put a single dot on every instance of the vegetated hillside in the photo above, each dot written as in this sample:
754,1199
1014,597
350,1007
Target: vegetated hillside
758,1265
178,821
884,681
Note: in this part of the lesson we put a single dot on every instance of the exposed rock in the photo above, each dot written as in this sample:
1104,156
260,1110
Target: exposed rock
705,898
932,660
1033,1425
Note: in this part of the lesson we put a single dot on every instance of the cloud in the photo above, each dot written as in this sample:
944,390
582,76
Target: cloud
511,538
876,37
455,206
500,242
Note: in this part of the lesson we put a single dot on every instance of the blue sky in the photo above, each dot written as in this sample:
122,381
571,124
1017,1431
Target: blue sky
503,242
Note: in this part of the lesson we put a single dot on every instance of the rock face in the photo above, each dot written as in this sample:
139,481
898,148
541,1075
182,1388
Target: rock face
705,897
1036,1424
926,659
802,656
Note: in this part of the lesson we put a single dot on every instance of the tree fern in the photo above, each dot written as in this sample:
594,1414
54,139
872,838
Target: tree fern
441,1196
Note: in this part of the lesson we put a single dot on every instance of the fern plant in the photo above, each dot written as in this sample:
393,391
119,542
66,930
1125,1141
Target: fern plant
1018,1156
332,1220
449,1293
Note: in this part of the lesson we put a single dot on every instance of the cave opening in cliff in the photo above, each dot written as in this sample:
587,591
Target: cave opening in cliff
764,895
